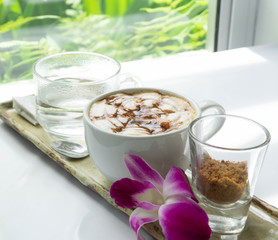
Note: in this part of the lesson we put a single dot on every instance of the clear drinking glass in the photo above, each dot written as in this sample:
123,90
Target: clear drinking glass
65,84
227,153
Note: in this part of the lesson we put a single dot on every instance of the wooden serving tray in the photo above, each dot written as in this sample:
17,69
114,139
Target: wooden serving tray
262,221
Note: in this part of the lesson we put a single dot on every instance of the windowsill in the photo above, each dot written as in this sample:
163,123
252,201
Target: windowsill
193,64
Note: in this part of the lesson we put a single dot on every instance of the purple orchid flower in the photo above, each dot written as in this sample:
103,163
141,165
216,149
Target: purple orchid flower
170,201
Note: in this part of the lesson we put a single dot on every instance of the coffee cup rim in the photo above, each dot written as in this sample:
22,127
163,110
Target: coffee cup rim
130,90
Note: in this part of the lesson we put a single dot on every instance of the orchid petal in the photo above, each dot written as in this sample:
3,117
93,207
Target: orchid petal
184,221
177,183
141,171
132,193
139,217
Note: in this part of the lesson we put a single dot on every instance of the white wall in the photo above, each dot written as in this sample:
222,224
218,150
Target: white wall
266,30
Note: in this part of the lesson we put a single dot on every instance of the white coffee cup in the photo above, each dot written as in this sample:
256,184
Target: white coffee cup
161,151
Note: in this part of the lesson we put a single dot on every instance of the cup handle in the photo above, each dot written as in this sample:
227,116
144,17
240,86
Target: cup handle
206,105
213,108
129,80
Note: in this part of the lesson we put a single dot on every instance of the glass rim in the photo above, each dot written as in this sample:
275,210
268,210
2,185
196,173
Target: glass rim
35,65
263,128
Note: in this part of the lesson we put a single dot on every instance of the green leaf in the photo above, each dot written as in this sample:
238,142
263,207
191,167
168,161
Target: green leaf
11,25
15,7
156,10
162,1
136,6
92,6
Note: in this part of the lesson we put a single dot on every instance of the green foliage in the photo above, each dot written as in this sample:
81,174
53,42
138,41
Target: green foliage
123,29
108,7
17,57
6,27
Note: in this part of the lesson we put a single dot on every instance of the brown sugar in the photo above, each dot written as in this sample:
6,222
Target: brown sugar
222,181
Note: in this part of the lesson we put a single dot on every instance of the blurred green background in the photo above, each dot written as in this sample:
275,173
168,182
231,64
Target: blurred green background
123,29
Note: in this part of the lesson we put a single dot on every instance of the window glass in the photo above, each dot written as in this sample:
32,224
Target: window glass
123,29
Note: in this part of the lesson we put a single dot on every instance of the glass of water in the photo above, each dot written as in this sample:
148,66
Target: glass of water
225,165
66,82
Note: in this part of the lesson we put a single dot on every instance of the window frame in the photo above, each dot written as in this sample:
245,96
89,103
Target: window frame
231,24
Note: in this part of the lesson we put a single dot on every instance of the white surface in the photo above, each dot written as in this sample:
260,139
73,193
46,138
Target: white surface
39,200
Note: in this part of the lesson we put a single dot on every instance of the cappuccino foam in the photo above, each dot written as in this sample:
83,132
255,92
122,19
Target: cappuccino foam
141,113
